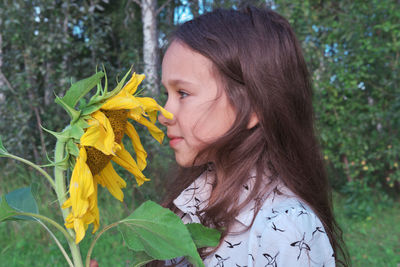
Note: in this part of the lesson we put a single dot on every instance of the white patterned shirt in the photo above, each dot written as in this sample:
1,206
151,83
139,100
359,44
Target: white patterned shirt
285,232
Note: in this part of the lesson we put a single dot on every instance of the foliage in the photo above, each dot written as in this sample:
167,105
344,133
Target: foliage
20,200
44,44
373,240
150,222
151,231
353,50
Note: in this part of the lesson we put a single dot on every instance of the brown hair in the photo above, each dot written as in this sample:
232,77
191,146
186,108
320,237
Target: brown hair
263,70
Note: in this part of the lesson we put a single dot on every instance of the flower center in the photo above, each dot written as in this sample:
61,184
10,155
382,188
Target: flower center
96,160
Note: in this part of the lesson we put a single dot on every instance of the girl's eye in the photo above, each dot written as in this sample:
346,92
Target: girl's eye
182,94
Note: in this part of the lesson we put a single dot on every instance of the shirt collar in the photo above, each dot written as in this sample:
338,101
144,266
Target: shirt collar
196,196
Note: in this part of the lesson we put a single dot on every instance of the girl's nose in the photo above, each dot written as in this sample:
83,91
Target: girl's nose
164,121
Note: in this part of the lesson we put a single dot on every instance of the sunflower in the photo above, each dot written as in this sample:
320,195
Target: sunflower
100,144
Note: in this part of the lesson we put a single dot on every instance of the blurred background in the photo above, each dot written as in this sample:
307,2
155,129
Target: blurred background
352,49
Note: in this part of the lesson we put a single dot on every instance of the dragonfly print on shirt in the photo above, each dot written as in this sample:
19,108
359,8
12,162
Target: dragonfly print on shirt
318,229
301,213
271,260
220,260
230,245
276,228
285,232
301,245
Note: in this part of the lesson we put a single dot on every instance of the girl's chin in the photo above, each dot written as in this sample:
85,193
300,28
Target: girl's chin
186,162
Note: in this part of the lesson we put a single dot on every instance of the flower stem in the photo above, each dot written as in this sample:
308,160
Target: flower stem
57,242
89,253
59,176
52,222
61,190
33,165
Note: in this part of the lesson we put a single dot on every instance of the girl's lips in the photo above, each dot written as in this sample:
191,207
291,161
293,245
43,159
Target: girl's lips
174,141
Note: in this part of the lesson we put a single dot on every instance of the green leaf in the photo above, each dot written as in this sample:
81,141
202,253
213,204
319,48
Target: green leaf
3,150
140,258
73,113
19,200
62,137
71,162
72,148
92,108
120,84
63,164
98,100
5,210
82,122
81,88
159,233
203,236
76,132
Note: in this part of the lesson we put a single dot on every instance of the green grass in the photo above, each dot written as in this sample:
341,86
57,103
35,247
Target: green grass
25,243
373,241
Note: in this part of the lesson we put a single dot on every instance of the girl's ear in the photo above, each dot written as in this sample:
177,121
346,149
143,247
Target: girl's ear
253,121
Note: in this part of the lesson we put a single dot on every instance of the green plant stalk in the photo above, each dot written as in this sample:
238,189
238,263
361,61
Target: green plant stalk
89,253
65,254
33,165
50,221
61,191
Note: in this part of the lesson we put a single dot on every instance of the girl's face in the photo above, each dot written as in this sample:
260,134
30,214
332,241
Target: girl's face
202,112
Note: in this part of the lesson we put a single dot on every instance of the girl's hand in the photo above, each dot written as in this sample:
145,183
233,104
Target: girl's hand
94,263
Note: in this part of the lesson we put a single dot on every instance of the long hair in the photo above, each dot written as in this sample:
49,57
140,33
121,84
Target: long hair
259,59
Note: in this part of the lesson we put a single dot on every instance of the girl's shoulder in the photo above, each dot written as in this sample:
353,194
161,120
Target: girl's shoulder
283,207
286,230
281,201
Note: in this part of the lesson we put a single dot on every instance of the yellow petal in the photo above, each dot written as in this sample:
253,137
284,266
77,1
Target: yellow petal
135,113
79,230
87,219
100,134
96,222
81,185
132,85
154,131
80,189
125,160
69,221
67,203
122,101
141,154
94,209
152,116
109,178
149,105
80,224
108,144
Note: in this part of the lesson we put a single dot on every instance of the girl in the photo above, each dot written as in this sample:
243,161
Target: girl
243,135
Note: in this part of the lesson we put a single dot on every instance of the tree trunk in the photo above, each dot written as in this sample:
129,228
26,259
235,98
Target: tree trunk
195,8
269,3
150,45
35,107
2,83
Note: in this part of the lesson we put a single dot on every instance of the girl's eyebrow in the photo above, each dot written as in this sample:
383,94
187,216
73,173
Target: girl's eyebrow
177,82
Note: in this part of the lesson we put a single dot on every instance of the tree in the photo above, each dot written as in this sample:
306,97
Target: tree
353,51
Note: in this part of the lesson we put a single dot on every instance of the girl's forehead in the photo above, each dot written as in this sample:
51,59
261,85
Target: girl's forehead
180,51
182,64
